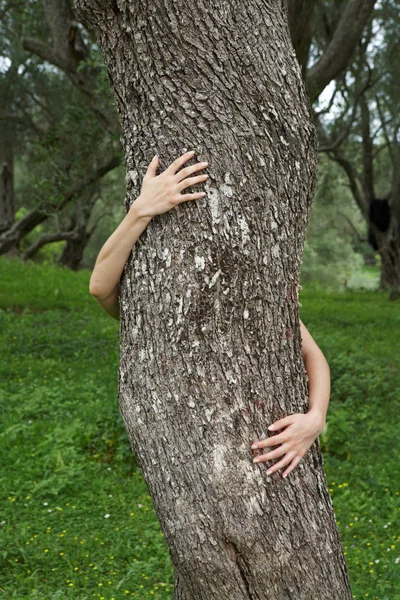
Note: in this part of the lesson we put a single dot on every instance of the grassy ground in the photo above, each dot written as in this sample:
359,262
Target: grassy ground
76,518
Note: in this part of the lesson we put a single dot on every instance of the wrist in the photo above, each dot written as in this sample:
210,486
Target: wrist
319,419
137,212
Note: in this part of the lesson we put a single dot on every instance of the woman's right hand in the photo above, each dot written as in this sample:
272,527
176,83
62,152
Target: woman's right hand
160,193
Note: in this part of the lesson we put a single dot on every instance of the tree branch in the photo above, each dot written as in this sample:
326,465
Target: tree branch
367,151
354,179
28,222
385,131
45,52
49,238
300,13
341,47
353,227
67,52
344,134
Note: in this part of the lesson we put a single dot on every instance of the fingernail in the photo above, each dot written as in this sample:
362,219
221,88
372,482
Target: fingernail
271,427
284,475
254,446
191,152
257,459
269,472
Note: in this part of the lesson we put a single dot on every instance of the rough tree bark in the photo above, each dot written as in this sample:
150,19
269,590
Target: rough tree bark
210,337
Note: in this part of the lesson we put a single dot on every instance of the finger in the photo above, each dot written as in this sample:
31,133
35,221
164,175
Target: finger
270,455
194,196
177,163
285,460
192,181
270,441
282,423
152,168
189,170
292,465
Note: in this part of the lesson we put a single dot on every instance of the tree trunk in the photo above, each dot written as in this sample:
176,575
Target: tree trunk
210,337
7,208
389,251
7,211
72,253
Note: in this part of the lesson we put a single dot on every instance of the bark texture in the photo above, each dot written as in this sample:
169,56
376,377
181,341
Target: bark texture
210,336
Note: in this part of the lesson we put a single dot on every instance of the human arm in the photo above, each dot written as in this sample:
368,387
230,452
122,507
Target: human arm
300,430
105,279
319,379
159,193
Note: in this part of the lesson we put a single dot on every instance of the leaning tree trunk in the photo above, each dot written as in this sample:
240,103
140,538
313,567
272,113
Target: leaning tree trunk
210,337
389,251
7,208
72,253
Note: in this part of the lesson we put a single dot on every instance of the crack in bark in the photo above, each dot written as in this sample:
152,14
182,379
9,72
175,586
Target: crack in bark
231,550
233,554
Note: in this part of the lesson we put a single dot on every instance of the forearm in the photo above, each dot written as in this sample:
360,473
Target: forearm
113,255
319,386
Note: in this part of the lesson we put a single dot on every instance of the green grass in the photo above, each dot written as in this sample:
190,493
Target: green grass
76,517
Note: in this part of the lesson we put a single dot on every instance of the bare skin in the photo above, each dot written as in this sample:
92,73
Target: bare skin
300,430
159,194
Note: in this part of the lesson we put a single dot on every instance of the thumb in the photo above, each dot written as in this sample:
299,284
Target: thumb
152,168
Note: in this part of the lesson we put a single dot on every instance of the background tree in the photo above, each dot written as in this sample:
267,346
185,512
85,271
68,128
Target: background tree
209,311
51,35
336,249
327,33
47,114
363,139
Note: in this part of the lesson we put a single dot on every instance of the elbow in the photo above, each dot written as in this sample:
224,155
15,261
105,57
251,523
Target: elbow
315,355
94,290
97,294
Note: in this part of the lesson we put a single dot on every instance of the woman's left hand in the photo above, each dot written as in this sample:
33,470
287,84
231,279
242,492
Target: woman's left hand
301,430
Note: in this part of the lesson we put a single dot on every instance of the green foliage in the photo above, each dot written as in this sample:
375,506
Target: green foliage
77,518
62,156
336,249
57,140
358,334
